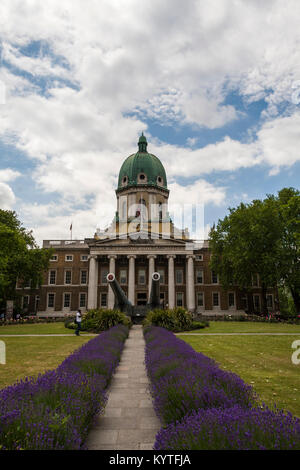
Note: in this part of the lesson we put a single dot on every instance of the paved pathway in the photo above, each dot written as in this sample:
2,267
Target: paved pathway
129,421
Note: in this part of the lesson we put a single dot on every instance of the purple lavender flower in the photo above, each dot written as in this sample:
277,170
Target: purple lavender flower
56,409
233,428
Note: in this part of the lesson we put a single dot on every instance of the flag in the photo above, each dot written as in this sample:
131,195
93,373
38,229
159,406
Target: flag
71,226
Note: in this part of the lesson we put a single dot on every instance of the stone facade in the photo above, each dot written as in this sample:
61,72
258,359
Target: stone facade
141,239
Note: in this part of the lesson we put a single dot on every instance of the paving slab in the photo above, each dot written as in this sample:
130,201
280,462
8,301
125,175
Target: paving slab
129,421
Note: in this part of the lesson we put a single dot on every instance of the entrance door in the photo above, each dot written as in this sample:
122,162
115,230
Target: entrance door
141,298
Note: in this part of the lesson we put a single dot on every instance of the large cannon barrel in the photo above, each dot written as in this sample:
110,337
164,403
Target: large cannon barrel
121,301
154,300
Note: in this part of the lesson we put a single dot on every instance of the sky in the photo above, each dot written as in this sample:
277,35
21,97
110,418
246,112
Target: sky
213,84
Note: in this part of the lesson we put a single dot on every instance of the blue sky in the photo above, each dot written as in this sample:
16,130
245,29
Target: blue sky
215,87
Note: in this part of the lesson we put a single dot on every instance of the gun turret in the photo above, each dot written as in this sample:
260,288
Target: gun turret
154,300
121,301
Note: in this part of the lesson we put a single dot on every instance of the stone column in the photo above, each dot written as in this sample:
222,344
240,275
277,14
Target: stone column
131,279
112,269
171,281
151,259
93,283
190,281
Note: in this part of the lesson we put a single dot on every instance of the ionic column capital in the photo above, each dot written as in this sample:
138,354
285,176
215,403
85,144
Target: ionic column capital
171,256
190,256
131,256
95,257
112,256
151,256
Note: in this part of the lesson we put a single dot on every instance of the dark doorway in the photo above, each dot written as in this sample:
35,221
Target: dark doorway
141,298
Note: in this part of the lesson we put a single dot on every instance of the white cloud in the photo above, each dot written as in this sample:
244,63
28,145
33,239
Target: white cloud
8,174
279,141
7,197
172,61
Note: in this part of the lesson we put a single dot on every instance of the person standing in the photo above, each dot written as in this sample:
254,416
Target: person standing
78,322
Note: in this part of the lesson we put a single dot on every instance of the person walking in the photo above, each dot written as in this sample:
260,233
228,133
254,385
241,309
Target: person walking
78,322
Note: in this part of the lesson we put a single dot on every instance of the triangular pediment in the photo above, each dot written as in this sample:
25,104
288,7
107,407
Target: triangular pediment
137,239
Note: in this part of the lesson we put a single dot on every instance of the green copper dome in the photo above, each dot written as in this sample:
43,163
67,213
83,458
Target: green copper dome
142,168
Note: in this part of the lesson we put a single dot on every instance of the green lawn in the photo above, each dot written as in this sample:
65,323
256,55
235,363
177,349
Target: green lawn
248,327
262,361
35,329
30,356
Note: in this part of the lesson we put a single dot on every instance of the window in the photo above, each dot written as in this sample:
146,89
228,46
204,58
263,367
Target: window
199,258
255,280
84,257
51,298
142,276
69,257
179,299
231,299
67,300
82,300
36,304
123,276
83,277
162,275
200,299
199,276
104,273
103,300
25,302
68,277
244,303
269,301
216,299
256,301
52,277
160,210
179,276
214,277
27,284
54,258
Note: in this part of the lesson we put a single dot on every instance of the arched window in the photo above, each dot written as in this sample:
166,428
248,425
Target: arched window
160,210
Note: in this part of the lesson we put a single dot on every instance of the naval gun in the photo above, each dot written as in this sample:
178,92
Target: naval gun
121,301
154,299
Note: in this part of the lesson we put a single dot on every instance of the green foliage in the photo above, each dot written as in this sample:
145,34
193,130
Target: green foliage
97,320
262,238
20,258
287,306
176,319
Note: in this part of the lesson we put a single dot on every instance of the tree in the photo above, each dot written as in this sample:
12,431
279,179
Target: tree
20,257
288,203
248,242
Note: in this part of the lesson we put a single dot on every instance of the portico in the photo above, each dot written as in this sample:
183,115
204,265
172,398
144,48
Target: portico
139,269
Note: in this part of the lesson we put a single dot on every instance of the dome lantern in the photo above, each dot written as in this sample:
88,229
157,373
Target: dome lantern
142,143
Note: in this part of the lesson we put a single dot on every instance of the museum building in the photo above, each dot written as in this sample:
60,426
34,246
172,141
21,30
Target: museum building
141,239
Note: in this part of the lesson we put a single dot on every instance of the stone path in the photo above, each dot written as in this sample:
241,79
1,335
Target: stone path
129,421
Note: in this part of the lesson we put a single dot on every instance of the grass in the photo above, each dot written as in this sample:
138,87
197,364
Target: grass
248,327
35,329
30,356
262,361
